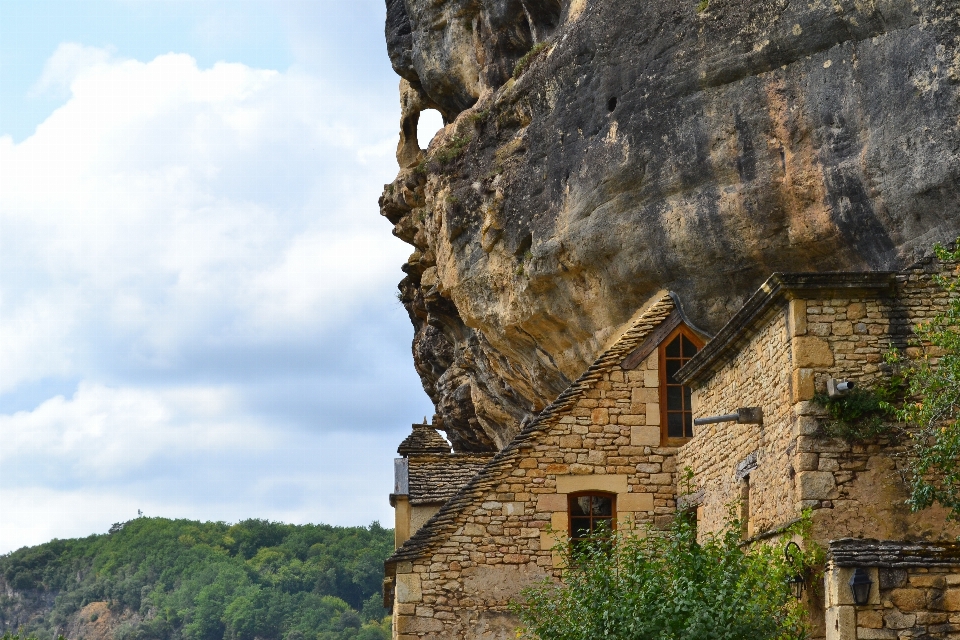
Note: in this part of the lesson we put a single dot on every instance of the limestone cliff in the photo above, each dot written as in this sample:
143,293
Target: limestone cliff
597,151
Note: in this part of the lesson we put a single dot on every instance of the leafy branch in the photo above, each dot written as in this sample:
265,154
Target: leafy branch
669,585
933,389
863,414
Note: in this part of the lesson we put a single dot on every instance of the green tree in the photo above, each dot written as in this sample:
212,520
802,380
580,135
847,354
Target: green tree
931,411
209,580
667,587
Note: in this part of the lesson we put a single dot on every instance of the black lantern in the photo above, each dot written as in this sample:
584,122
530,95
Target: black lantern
796,585
860,585
795,582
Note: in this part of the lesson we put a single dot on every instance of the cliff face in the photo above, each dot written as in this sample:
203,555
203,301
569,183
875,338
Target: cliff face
649,145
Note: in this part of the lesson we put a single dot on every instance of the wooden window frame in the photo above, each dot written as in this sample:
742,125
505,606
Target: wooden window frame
598,494
684,330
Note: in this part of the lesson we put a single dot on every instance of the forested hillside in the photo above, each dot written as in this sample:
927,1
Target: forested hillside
153,578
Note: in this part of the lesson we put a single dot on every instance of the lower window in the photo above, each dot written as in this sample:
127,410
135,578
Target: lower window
591,513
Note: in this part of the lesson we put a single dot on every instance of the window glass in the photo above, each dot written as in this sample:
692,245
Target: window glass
676,411
591,513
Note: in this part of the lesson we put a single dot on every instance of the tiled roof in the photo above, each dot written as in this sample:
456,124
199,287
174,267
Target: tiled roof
444,522
424,439
436,478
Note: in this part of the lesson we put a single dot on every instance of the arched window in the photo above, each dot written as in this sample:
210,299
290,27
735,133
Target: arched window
676,414
591,512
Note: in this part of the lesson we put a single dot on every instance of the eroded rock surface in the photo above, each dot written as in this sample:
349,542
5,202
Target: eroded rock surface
649,145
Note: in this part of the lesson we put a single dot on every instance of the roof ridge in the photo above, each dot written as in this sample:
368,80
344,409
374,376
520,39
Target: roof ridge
423,439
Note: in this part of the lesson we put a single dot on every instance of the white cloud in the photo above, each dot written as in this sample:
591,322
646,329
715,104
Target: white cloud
197,247
66,63
102,432
162,199
37,514
74,466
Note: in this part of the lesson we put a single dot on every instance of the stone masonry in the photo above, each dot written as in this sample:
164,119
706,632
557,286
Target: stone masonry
805,329
915,591
457,575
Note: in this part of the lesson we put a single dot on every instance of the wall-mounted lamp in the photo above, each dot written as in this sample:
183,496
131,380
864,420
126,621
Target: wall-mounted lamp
795,582
860,585
837,388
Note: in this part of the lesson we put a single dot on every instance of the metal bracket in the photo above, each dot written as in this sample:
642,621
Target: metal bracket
744,415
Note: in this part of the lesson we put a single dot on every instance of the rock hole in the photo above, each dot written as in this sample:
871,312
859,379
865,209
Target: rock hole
430,123
612,103
524,247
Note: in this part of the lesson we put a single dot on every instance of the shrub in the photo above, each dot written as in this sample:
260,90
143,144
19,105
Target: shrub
665,587
451,152
863,414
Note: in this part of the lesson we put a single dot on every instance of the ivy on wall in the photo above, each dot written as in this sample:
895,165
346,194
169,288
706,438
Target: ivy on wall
920,402
933,400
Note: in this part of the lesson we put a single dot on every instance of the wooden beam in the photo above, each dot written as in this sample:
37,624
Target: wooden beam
657,336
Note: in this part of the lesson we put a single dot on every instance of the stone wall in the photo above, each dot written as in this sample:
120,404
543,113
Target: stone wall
504,538
864,494
758,376
783,357
915,591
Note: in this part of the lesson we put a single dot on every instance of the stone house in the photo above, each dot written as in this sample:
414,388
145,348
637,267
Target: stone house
609,449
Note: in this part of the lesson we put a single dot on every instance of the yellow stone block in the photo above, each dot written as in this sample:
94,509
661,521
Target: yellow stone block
635,502
645,436
810,351
613,483
653,413
642,395
803,385
408,588
551,502
550,539
798,317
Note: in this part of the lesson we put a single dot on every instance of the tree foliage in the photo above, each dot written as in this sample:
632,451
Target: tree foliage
933,379
213,581
668,587
8,635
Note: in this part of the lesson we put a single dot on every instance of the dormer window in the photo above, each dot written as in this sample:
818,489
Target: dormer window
676,413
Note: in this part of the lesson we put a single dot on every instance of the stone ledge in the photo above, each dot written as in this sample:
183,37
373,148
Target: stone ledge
854,552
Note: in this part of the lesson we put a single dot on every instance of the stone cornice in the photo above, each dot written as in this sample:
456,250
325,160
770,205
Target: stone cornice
893,554
778,288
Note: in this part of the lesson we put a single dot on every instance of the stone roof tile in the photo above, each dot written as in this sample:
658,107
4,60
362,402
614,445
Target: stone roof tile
423,439
437,478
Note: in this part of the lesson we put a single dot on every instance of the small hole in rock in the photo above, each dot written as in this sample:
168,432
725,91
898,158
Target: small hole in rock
430,123
524,247
612,103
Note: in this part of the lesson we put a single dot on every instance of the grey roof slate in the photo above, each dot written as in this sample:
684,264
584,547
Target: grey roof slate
423,439
436,478
856,552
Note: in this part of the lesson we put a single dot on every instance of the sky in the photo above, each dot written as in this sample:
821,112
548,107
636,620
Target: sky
198,313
